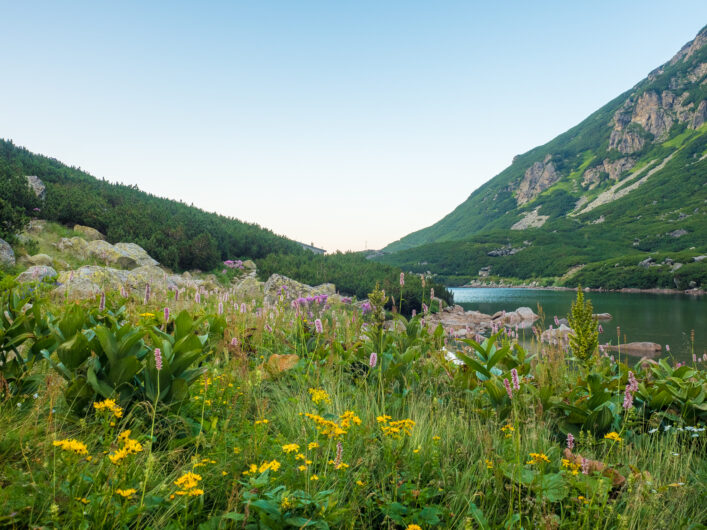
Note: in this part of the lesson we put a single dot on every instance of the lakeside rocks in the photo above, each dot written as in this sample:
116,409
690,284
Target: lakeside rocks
455,318
7,255
638,349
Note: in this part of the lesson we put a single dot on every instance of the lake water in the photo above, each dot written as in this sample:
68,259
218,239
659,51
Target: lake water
662,318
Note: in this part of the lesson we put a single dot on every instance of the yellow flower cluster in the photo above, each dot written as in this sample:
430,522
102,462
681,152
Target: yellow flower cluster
327,428
71,445
273,465
348,418
413,527
126,493
613,436
508,429
395,429
130,447
319,395
312,445
489,464
110,405
538,458
574,468
290,448
188,483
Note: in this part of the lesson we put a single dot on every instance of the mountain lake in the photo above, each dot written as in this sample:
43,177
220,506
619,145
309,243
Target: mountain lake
642,317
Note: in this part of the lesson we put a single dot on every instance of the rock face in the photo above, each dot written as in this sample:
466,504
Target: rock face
249,288
7,255
592,176
38,187
36,273
289,289
558,336
538,177
91,234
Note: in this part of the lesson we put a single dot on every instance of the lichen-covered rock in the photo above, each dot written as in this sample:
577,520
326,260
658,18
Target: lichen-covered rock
40,259
38,187
90,280
36,273
249,288
76,246
137,253
7,255
91,234
281,286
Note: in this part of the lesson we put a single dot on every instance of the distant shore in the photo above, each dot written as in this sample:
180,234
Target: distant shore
690,292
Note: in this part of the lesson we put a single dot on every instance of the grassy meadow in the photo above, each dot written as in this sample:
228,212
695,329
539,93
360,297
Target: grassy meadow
195,410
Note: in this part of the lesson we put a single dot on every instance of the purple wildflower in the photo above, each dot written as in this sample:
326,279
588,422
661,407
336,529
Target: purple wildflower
158,359
425,309
176,295
632,382
123,292
243,307
166,314
373,360
402,279
318,326
268,328
694,358
585,466
508,388
234,342
667,347
628,398
197,297
557,321
220,308
516,381
601,330
570,441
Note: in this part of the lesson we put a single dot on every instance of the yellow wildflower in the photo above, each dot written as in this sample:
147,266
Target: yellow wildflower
188,481
383,419
237,450
348,418
290,448
537,458
83,500
319,395
360,483
613,436
126,493
110,405
396,429
71,445
302,468
311,445
413,527
314,477
262,422
489,464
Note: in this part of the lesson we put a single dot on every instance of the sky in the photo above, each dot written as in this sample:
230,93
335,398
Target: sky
346,124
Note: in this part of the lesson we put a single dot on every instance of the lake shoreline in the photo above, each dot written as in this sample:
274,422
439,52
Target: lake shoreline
654,290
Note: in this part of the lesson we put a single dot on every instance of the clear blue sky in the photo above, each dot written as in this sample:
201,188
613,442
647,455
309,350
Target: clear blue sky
343,123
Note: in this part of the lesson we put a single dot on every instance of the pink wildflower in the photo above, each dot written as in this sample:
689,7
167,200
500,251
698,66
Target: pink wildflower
158,359
318,326
514,377
402,279
508,388
373,360
585,466
570,441
166,314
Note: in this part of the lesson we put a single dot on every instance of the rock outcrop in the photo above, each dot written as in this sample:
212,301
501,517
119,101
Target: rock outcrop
538,177
638,349
7,255
37,186
40,259
531,220
455,318
592,176
123,255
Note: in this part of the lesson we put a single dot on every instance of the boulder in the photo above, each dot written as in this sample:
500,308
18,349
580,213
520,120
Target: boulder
35,226
278,285
110,255
249,288
76,246
37,186
36,273
137,253
522,317
41,259
91,234
558,336
89,281
699,258
639,349
7,255
602,316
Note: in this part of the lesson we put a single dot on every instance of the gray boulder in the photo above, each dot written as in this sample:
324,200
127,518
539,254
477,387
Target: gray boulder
7,255
248,288
289,289
36,273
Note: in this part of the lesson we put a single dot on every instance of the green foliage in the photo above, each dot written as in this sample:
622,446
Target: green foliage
17,203
585,337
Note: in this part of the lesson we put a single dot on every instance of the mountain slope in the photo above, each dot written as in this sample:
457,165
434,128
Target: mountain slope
629,179
178,235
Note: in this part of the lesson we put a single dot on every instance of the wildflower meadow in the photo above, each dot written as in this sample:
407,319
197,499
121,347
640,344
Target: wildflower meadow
197,410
